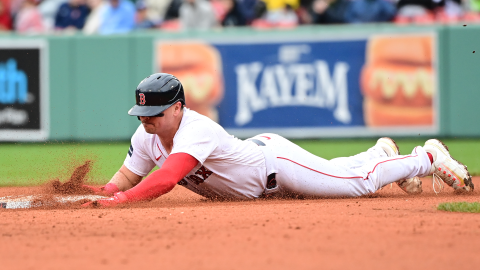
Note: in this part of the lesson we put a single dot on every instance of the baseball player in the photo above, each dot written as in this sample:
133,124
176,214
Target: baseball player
193,151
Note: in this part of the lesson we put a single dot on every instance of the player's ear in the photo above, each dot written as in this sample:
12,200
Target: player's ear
177,108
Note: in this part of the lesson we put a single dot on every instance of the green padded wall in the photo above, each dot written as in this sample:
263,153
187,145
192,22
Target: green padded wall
92,78
463,83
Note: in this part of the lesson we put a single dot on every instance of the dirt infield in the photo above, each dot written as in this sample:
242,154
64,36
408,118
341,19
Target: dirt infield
390,230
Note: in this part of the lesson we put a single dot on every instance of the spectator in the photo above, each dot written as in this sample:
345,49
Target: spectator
233,15
329,11
28,19
119,17
281,4
279,13
94,19
141,19
156,10
15,6
415,8
282,17
259,11
173,10
450,10
367,11
5,19
248,8
71,15
197,14
48,9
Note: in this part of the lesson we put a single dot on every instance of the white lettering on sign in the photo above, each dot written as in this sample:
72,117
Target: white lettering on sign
13,116
300,84
292,53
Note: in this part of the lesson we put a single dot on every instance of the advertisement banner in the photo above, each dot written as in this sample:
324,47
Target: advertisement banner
366,86
23,91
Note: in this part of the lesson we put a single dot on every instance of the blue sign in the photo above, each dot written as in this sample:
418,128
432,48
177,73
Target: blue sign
292,84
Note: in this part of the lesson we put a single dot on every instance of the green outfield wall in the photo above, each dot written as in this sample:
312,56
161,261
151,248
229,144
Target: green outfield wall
461,66
91,78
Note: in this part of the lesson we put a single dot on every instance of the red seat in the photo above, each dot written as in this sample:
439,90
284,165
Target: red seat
171,25
401,19
427,18
443,17
261,24
286,25
471,17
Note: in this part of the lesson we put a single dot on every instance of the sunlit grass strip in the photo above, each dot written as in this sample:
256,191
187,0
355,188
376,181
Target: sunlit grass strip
460,207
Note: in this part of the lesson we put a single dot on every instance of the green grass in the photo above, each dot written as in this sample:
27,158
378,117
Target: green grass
35,163
460,207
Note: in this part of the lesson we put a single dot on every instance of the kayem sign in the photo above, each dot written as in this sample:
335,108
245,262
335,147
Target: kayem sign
23,91
368,85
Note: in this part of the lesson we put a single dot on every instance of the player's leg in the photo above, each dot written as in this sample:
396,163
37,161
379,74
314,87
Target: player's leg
302,173
442,165
385,147
379,173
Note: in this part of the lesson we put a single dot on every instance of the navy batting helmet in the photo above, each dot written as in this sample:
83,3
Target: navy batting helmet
156,93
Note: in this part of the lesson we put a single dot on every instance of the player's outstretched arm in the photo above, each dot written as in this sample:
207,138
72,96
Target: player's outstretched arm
156,184
123,179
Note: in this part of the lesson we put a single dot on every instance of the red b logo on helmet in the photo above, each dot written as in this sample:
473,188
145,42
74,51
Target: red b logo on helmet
142,98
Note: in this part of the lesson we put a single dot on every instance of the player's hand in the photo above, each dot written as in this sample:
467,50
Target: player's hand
118,198
107,190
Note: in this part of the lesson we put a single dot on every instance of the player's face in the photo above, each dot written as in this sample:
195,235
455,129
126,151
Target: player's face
164,123
151,123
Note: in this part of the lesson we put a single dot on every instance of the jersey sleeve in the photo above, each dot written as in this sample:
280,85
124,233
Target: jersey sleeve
137,160
197,139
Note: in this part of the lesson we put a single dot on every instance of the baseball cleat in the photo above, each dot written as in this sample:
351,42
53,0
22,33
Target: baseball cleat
449,170
389,146
410,185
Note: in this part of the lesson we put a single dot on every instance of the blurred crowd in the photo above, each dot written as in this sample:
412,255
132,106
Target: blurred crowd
118,16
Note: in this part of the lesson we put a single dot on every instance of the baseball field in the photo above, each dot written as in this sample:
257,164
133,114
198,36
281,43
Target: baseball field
181,230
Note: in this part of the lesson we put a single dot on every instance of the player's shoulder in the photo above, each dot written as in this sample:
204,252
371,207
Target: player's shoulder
191,116
196,124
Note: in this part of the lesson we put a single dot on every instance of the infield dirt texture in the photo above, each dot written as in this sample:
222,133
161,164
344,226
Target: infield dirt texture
180,230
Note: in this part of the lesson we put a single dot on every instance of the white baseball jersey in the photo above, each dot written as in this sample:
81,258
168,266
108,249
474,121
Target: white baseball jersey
228,167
